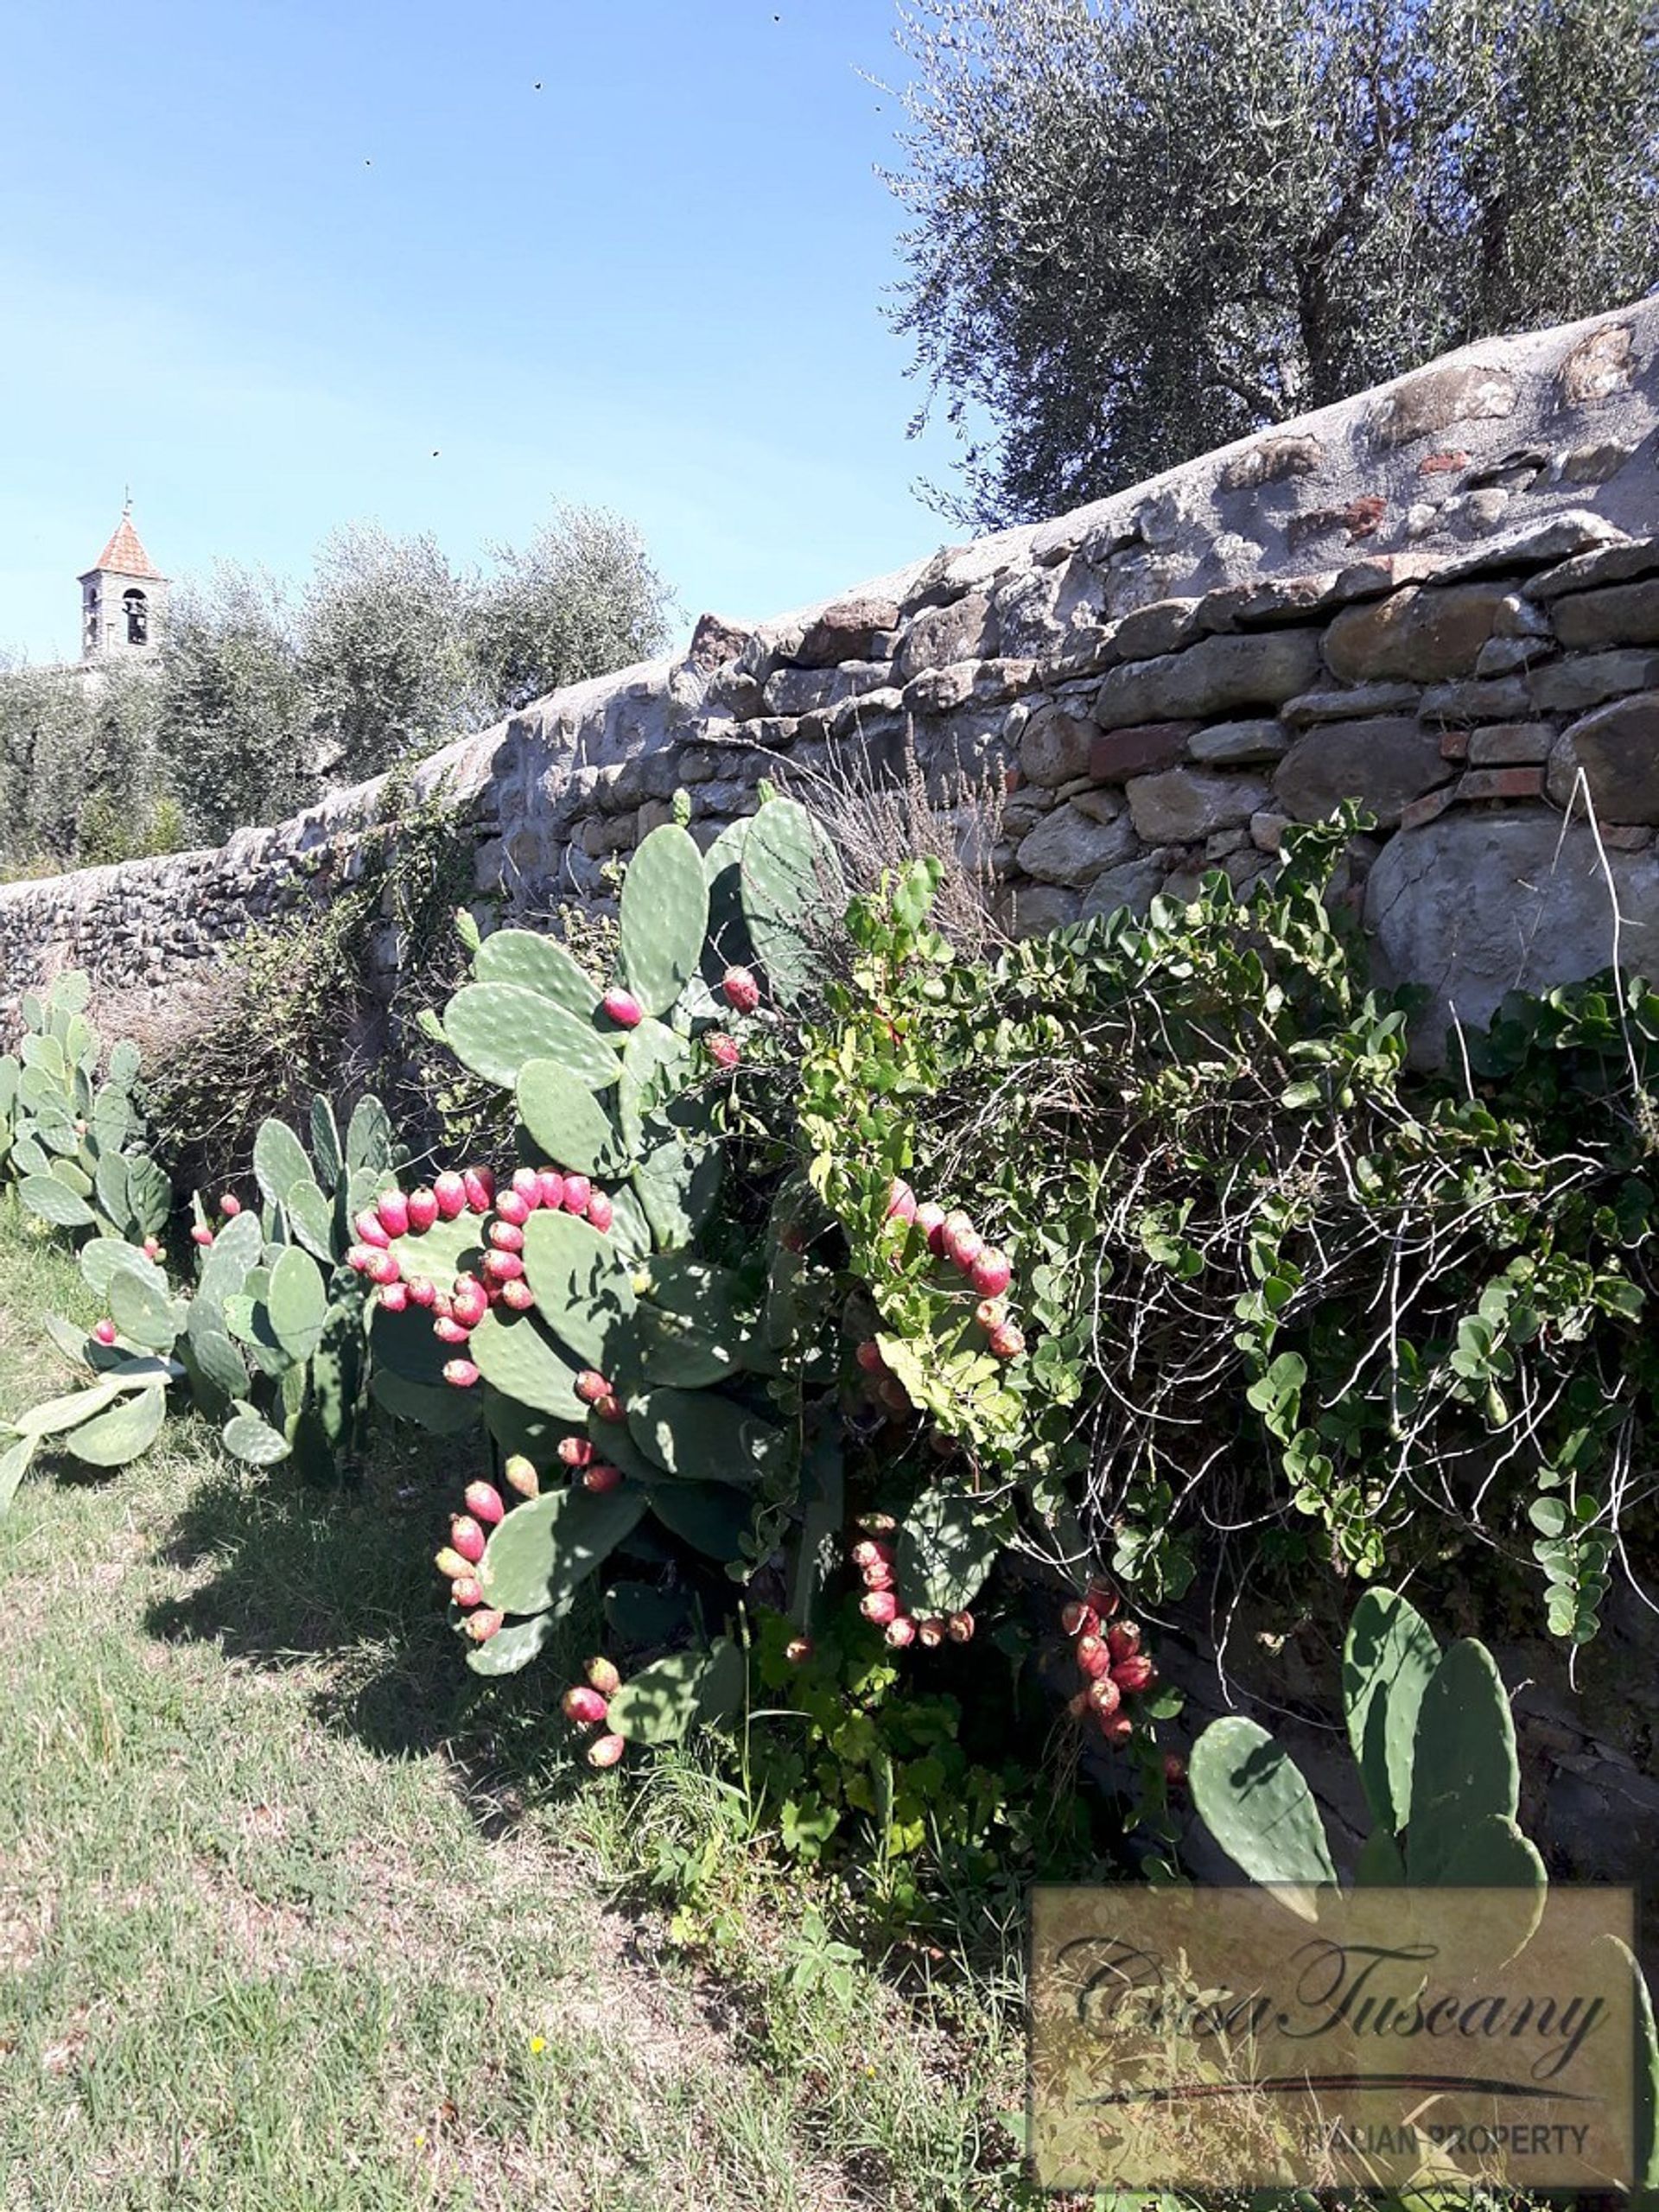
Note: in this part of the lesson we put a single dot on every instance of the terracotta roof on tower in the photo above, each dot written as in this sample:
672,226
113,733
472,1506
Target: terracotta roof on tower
125,554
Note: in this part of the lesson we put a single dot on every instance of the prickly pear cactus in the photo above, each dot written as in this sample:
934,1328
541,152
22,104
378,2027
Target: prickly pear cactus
72,1143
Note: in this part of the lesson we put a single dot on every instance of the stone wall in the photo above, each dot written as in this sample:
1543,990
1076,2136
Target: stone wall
1441,598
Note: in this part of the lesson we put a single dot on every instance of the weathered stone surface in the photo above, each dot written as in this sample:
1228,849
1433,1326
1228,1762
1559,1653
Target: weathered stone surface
1516,782
715,641
1509,744
1183,804
1597,367
1478,904
1068,847
807,690
1033,909
1115,755
1270,460
1156,629
1384,764
1257,605
1055,746
1136,884
1430,402
1612,564
1496,699
1619,614
1422,634
1351,704
1507,656
1568,687
1616,749
1240,745
1594,464
965,630
1360,518
1210,677
1536,544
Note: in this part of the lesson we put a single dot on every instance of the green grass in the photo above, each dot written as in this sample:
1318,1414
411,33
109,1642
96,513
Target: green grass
295,1914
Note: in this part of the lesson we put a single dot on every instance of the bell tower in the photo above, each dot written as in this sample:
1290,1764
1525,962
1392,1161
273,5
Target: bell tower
122,599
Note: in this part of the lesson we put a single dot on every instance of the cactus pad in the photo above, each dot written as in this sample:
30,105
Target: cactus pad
1464,1763
791,880
519,1357
581,1285
664,916
1255,1802
537,1557
565,1118
493,1028
538,964
1388,1658
707,1439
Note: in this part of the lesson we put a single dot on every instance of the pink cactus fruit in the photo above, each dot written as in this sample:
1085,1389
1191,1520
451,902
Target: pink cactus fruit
202,1236
527,1186
449,1330
483,1624
622,1007
502,1267
484,1503
152,1248
1006,1341
742,991
1135,1672
552,1189
394,1296
467,1537
900,1631
582,1707
467,1590
393,1209
930,1633
461,1374
368,1228
1105,1696
519,1475
105,1330
1123,1640
382,1267
600,1212
603,1676
990,1273
929,1220
577,1191
423,1209
422,1290
591,1386
479,1185
880,1606
230,1206
517,1297
599,1479
576,1451
450,1192
1080,1618
607,1751
449,1561
725,1051
959,1627
611,1408
901,1200
1093,1658
870,1358
514,1209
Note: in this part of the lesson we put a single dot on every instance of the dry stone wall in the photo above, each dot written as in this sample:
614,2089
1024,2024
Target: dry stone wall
1441,597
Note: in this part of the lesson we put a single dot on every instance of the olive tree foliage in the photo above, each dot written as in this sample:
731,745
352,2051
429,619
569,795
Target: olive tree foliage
236,716
83,779
579,600
1141,228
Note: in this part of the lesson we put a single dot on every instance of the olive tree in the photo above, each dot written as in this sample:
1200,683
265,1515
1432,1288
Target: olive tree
1141,228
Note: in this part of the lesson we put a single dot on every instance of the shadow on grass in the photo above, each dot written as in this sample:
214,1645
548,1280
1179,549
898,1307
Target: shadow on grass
339,1585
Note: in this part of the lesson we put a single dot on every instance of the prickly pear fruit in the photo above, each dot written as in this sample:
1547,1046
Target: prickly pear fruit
900,1631
603,1676
871,1551
963,1250
394,1296
591,1386
467,1590
929,1220
152,1248
878,1576
740,989
1105,1696
469,1301
518,1474
611,1408
527,1186
368,1228
1174,1769
1135,1672
512,1211
1093,1657
901,1200
449,1561
392,1207
449,1330
725,1051
467,1537
517,1297
880,1606
1118,1730
552,1184
575,1452
868,1356
894,1396
585,1707
930,1633
1006,1341
1104,1600
600,1211
1080,1619
959,1627
1123,1640
203,1236
460,1373
480,1187
105,1330
422,1290
450,1191
423,1209
505,1237
483,1624
990,1313
623,1008
599,1478
484,1503
606,1751
990,1273
382,1267
577,1191
230,1206
502,1267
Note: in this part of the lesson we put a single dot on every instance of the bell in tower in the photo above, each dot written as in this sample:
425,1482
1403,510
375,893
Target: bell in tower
122,598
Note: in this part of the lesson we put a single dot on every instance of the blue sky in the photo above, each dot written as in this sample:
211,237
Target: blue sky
264,261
